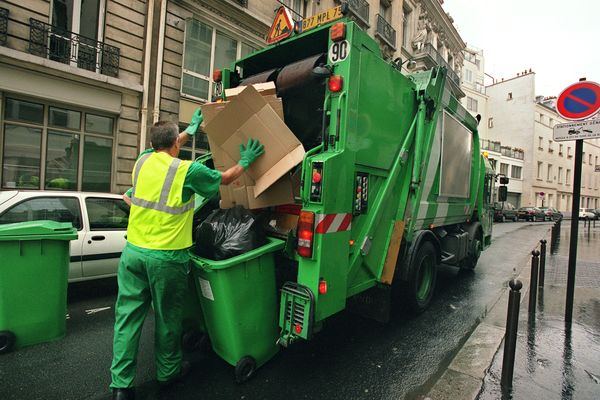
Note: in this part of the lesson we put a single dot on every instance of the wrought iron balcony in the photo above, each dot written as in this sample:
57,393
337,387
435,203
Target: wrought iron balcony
360,9
3,25
70,48
436,59
242,3
386,32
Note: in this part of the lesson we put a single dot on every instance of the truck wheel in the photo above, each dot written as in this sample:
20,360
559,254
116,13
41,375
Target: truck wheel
418,289
244,369
7,341
470,262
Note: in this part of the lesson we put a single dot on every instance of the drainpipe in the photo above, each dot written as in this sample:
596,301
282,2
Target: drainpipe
159,61
146,84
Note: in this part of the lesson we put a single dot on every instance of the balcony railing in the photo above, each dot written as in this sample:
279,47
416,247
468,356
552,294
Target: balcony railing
385,31
3,25
242,3
70,48
360,9
439,60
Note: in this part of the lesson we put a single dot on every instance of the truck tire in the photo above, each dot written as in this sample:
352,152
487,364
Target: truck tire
7,341
417,291
470,262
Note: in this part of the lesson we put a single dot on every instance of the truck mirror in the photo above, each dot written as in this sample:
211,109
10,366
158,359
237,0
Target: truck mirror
504,180
502,193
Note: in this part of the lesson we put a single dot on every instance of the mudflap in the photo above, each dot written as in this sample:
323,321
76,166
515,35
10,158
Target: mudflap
373,303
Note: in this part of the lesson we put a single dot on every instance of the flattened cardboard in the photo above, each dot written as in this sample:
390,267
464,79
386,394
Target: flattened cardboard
267,182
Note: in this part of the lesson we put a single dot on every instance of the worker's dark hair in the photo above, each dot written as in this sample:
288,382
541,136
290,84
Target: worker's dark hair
163,134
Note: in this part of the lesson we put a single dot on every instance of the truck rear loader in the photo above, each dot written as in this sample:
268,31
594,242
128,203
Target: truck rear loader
393,182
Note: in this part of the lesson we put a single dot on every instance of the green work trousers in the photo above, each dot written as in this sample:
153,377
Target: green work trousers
143,279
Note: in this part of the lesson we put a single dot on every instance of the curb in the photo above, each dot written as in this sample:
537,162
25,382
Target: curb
463,378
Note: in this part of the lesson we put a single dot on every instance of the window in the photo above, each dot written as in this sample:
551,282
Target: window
550,148
560,171
107,214
59,209
515,172
471,104
583,157
478,63
568,177
509,96
504,169
81,17
385,10
590,160
551,122
549,175
596,163
406,27
560,150
539,169
202,42
540,143
569,155
56,148
490,122
468,75
298,6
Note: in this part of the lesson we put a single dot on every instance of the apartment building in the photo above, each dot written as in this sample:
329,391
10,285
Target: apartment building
506,159
70,92
526,120
82,81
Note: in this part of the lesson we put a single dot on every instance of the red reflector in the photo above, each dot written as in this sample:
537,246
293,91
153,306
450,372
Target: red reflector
316,177
217,75
322,286
306,223
338,31
298,328
336,83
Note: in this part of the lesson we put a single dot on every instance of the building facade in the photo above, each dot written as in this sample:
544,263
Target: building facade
82,81
526,120
70,93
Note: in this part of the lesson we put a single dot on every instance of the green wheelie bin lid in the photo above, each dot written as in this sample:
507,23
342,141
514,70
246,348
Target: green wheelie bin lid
35,230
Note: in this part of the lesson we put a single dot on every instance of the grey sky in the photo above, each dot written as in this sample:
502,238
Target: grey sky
556,39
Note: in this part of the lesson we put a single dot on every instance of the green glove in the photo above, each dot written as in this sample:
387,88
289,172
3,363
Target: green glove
250,153
197,119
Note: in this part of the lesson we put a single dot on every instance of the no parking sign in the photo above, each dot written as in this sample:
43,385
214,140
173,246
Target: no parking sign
579,101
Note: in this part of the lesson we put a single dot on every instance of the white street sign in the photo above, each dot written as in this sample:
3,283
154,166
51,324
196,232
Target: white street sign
587,129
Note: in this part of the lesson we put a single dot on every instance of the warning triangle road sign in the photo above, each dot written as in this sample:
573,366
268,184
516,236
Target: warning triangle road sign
282,27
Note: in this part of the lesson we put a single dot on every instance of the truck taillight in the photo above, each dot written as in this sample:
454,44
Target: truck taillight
322,286
336,83
217,75
338,32
306,224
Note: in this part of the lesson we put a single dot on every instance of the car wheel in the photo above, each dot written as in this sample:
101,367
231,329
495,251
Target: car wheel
515,218
503,219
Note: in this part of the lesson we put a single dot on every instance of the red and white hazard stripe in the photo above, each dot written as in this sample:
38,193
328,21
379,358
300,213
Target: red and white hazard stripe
329,223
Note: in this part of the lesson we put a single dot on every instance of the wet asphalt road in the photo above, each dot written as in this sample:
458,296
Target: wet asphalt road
352,358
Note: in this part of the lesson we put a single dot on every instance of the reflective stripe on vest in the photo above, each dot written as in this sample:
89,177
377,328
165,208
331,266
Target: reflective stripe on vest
161,205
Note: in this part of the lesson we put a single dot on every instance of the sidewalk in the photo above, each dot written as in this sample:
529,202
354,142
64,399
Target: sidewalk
551,363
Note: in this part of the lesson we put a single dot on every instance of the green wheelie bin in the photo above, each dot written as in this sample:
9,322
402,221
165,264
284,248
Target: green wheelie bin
239,302
33,282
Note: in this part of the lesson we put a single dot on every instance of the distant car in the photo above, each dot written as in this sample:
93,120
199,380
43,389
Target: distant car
531,214
597,212
100,219
504,211
587,213
551,213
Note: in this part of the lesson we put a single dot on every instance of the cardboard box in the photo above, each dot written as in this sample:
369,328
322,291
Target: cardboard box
246,115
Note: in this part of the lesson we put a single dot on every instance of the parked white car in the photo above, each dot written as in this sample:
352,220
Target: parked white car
587,213
100,220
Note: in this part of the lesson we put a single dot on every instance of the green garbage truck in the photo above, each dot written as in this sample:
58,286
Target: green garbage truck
393,182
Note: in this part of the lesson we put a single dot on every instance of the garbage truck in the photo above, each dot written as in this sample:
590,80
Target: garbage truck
392,184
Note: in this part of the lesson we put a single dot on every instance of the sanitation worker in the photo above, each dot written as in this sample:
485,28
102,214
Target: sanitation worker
154,263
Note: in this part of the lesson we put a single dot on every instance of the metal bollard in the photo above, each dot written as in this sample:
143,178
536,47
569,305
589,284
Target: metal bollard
542,262
533,283
553,238
510,337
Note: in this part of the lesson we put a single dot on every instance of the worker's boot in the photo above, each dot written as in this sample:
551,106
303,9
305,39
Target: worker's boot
123,394
185,369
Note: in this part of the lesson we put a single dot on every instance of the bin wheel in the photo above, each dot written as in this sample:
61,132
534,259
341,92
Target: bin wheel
7,341
244,369
193,340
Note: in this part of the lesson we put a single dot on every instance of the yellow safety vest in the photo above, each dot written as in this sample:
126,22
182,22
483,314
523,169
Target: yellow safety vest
159,218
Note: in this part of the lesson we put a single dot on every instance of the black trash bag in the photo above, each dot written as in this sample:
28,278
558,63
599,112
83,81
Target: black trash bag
229,233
